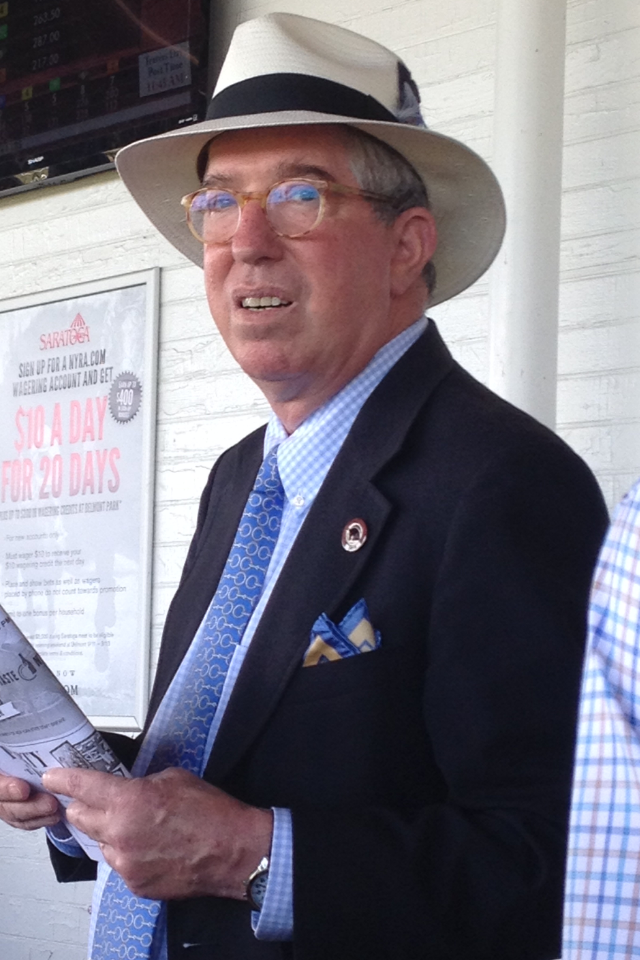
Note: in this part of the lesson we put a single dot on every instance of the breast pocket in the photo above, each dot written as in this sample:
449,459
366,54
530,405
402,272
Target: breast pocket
349,731
361,674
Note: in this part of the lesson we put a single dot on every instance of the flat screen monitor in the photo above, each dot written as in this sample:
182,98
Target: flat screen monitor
81,78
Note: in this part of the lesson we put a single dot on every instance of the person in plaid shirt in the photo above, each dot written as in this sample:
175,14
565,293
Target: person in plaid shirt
602,903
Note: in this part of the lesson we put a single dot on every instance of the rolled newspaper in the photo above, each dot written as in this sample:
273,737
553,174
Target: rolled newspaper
41,726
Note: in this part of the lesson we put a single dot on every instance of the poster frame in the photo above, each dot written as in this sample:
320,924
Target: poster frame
150,279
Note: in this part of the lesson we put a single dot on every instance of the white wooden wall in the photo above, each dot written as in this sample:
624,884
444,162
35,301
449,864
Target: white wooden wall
91,229
599,359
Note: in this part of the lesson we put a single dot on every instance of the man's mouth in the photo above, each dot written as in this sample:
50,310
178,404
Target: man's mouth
263,303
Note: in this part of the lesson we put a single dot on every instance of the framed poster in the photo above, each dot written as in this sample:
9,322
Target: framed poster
77,444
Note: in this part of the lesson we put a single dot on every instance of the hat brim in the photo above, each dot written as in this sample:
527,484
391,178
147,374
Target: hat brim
465,197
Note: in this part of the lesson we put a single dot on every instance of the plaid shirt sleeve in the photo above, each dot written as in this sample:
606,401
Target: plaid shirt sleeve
602,897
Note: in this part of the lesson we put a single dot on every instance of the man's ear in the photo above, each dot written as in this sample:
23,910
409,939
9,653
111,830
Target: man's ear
415,240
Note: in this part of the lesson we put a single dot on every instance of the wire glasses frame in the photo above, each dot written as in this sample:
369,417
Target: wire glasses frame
293,207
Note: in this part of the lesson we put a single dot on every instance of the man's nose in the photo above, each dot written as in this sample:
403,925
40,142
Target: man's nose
255,238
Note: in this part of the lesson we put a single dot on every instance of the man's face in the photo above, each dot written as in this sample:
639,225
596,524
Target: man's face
333,283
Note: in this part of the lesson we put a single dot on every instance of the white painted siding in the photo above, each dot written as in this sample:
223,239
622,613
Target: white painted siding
91,229
599,349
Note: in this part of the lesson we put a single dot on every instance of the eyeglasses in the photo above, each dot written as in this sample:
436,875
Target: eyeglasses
292,207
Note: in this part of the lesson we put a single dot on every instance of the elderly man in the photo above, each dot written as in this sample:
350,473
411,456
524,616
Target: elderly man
363,716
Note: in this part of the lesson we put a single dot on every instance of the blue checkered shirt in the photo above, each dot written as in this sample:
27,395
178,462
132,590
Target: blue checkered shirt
602,904
304,459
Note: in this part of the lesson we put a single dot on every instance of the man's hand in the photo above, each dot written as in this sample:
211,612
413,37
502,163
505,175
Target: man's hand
169,835
23,807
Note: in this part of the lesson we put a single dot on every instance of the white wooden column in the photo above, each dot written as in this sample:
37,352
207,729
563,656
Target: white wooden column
527,159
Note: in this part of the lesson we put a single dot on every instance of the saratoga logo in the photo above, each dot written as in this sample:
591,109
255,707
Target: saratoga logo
78,332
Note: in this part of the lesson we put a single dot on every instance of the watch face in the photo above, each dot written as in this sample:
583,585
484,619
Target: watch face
258,889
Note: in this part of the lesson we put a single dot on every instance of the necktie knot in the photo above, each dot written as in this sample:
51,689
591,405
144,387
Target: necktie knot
268,479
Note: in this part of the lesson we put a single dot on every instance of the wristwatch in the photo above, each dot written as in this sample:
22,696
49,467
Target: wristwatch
257,884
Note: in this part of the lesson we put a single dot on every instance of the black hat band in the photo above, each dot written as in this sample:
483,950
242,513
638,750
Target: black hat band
295,91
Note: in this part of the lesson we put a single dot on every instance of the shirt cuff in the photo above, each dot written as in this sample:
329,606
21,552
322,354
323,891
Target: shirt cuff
275,920
63,841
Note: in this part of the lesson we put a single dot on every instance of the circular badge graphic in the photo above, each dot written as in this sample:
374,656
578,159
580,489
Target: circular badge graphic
124,397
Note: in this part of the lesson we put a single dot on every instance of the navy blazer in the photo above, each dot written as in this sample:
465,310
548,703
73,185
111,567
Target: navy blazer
429,780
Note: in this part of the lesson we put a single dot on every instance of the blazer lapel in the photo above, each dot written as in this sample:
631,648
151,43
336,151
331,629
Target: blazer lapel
319,572
234,477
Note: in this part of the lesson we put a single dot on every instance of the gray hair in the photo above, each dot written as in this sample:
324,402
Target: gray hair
378,168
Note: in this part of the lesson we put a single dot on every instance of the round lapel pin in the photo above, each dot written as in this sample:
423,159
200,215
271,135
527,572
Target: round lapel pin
354,535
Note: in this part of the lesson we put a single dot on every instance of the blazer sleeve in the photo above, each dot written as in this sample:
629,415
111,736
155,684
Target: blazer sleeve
71,869
480,874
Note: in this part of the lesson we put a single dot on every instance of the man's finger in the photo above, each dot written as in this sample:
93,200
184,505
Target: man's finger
12,789
92,787
23,821
31,812
91,820
39,804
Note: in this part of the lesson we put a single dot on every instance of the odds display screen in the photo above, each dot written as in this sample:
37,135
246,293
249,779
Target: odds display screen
81,78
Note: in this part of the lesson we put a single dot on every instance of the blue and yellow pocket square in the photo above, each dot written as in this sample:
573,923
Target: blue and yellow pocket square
354,634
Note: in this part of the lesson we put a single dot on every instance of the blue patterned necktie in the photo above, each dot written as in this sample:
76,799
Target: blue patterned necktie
129,927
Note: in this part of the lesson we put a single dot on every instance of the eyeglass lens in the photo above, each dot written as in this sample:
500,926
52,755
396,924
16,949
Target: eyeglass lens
292,208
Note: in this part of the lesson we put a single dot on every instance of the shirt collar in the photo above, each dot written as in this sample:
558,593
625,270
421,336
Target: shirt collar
305,456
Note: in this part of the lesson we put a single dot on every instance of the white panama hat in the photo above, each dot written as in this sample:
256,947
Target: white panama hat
283,69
